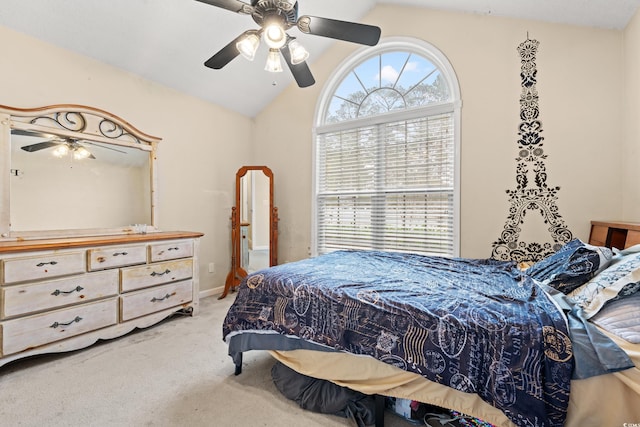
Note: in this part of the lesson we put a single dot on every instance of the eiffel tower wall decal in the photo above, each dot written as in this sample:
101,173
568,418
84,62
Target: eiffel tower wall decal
532,194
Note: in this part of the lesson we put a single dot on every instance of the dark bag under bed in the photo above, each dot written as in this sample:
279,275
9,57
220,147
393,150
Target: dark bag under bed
324,396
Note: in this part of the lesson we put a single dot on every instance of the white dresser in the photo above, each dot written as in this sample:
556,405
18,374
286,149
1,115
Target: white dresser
64,294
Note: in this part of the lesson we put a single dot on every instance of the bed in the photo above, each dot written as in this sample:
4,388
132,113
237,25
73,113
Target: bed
481,337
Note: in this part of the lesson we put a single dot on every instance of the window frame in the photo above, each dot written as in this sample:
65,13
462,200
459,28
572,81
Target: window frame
453,106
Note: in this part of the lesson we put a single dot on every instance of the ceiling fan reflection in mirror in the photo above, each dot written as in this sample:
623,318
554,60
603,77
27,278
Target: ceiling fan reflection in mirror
275,17
66,146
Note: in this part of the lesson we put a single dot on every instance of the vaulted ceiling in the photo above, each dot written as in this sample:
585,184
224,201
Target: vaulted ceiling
167,41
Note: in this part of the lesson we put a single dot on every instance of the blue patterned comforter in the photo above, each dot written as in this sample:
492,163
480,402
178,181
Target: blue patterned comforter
479,326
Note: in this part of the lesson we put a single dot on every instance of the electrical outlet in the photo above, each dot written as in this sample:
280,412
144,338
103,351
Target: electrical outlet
212,267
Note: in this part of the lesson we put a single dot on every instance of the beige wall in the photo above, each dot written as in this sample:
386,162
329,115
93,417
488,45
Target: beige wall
203,145
580,82
631,151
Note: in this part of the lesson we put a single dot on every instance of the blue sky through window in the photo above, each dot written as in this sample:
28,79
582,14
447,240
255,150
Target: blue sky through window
403,79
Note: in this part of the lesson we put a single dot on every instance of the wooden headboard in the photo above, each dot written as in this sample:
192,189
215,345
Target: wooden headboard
614,234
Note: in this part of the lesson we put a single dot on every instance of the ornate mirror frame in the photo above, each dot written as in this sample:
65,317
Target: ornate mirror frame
237,272
77,122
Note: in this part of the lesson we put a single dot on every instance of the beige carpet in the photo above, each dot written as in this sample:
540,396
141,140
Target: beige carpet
176,373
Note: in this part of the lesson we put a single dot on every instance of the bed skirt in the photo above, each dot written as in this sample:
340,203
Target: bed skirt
605,400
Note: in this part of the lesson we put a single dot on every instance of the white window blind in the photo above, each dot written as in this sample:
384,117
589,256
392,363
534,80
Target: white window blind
387,186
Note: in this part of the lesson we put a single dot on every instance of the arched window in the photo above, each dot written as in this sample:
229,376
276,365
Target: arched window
386,152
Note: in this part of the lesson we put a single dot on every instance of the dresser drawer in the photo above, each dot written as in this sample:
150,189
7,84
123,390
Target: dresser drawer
42,267
33,331
132,278
24,299
170,250
148,301
113,256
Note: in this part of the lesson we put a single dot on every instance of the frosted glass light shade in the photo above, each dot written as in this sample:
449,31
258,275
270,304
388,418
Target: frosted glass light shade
61,150
81,153
273,61
248,46
298,52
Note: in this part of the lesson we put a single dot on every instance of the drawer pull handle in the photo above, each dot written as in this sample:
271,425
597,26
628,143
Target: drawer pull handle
154,274
59,292
58,324
154,299
174,249
120,253
42,264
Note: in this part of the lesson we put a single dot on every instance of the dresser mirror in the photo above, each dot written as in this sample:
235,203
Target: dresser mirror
254,225
72,170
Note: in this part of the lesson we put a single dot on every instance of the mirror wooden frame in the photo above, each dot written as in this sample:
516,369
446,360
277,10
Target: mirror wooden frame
237,272
73,121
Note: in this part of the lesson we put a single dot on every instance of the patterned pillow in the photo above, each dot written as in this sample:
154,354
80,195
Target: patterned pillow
572,266
619,280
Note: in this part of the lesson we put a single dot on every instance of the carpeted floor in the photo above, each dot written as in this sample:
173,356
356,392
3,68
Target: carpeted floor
176,373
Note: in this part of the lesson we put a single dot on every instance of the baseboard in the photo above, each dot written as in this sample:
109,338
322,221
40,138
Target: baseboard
211,292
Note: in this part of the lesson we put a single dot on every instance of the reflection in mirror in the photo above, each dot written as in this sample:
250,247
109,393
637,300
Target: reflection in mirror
71,170
58,183
254,225
254,221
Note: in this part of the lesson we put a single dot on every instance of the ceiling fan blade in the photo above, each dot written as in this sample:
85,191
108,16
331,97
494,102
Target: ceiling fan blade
40,146
225,55
32,133
301,71
103,146
341,30
232,5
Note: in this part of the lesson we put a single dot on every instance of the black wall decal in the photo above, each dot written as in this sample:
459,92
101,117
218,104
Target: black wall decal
530,194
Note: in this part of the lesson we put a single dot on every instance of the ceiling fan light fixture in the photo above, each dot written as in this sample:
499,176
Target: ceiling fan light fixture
275,18
61,150
80,153
298,53
273,65
274,35
249,45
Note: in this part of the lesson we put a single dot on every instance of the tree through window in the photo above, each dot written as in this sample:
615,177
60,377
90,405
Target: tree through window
386,153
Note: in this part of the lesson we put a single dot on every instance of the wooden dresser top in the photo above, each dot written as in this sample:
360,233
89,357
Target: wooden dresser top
79,242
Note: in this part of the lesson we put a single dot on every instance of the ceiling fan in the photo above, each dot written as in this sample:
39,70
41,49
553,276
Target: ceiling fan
275,17
64,146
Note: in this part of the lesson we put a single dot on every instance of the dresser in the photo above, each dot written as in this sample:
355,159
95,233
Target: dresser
614,234
64,294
